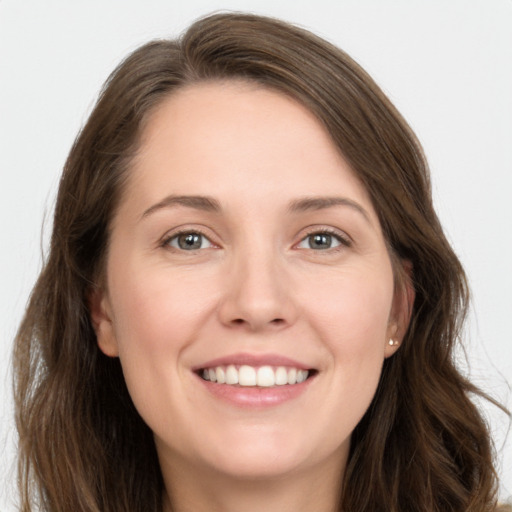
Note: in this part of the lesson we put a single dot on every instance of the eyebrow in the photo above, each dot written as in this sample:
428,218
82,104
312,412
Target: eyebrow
204,203
209,204
322,203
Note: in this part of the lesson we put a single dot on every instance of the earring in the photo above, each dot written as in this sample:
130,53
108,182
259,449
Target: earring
393,342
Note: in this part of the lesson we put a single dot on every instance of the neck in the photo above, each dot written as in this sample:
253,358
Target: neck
210,491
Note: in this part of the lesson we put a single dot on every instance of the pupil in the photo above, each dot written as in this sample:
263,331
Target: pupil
320,241
190,241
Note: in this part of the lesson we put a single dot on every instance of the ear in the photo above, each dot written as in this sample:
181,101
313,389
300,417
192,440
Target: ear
101,317
401,310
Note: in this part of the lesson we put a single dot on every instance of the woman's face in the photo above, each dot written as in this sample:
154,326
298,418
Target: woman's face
245,249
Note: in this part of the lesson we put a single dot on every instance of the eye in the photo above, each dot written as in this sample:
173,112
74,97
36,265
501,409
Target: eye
321,241
189,241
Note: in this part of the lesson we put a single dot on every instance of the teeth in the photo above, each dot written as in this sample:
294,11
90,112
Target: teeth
281,376
220,374
263,376
247,376
231,375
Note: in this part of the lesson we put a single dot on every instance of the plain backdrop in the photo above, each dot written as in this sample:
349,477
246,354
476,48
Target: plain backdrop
446,64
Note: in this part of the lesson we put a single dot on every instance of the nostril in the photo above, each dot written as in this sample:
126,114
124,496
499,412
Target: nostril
241,321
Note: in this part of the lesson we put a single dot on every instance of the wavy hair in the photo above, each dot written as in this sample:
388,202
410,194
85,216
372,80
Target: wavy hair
421,446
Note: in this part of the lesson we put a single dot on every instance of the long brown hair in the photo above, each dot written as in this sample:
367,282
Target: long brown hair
421,446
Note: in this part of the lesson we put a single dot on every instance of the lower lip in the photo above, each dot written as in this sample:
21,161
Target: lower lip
256,397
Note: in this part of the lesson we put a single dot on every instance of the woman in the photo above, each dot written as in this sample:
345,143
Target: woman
249,302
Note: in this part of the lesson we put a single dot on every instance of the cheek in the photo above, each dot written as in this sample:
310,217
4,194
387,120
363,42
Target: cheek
353,308
156,310
156,317
352,316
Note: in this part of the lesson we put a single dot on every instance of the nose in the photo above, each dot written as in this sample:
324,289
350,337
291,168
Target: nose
257,295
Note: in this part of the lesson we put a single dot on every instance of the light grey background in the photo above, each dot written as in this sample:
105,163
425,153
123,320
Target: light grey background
447,65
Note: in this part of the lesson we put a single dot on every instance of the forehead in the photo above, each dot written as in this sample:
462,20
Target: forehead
229,116
220,137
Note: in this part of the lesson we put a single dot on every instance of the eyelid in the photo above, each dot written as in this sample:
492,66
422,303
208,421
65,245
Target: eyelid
341,236
344,239
185,230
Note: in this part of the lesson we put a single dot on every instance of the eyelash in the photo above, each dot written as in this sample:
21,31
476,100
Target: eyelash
166,241
343,240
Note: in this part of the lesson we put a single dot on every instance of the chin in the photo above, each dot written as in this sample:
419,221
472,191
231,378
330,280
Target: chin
271,455
268,466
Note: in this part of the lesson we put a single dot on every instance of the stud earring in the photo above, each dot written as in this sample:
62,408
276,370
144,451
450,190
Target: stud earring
393,342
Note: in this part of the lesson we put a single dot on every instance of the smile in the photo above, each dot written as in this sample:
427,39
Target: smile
252,376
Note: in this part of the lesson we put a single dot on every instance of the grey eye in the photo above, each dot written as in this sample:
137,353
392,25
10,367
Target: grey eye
319,241
189,241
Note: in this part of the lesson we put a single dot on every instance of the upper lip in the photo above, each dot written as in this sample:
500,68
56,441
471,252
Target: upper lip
253,360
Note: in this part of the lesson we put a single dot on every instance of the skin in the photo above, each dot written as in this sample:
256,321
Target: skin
255,286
